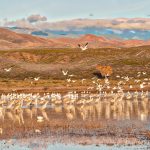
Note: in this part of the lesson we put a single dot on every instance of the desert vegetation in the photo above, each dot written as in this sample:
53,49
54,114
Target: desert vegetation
47,63
105,71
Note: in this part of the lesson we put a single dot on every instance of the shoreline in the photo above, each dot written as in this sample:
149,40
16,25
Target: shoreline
62,89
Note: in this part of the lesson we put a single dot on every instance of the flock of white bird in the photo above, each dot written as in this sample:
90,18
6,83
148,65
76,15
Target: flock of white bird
85,105
103,89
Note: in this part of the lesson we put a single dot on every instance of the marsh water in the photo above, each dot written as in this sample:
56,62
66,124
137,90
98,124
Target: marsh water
94,124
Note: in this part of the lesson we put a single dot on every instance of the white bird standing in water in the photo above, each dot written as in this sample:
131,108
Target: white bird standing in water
83,80
8,69
141,86
37,131
83,48
40,119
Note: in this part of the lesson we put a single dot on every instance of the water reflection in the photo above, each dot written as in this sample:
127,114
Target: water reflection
84,115
119,110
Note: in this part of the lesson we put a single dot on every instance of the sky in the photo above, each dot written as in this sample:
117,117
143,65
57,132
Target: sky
56,10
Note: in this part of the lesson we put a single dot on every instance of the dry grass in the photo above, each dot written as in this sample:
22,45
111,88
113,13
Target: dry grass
47,63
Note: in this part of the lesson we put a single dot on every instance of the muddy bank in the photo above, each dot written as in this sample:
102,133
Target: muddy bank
60,89
92,128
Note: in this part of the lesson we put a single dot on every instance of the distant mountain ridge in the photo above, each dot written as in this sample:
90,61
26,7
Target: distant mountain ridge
99,41
13,40
124,28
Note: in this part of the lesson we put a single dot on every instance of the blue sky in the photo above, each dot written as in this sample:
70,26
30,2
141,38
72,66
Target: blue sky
69,9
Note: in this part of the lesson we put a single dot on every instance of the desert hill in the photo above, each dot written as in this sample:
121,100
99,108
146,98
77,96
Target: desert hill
13,40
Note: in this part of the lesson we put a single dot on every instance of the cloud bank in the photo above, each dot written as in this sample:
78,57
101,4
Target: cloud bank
127,28
39,21
29,22
36,18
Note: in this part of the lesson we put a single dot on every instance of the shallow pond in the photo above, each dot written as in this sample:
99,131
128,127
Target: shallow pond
84,124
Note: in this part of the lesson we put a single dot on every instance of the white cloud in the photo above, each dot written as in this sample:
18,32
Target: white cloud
30,22
36,18
40,22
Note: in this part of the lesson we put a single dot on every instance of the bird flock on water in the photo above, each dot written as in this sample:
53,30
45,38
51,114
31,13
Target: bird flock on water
97,90
87,105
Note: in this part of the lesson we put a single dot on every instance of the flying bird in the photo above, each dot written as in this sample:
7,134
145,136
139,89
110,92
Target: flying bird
71,75
83,48
8,69
64,72
36,79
